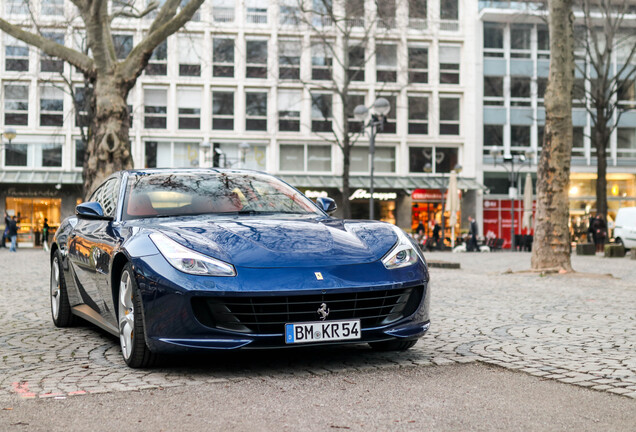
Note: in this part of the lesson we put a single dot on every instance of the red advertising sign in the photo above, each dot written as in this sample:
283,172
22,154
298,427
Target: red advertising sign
498,217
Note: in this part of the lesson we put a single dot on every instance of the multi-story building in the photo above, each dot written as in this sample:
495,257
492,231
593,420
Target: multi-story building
235,88
515,64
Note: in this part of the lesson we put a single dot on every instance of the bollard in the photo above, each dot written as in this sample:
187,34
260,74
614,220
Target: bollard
613,250
585,249
632,253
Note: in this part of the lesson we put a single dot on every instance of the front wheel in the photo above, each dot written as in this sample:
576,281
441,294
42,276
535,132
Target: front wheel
60,306
132,336
393,345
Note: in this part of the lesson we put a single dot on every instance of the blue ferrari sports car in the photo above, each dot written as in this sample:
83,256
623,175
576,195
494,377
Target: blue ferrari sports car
208,259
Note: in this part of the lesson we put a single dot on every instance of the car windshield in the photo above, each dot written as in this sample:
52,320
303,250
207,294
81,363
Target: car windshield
205,192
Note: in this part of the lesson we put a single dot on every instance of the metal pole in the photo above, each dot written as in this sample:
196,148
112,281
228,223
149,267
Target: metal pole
371,166
443,189
512,209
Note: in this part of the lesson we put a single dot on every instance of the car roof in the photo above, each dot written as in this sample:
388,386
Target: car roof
191,171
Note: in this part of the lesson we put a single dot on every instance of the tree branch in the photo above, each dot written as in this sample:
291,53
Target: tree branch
52,49
136,14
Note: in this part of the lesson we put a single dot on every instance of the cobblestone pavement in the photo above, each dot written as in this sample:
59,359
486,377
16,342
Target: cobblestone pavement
578,329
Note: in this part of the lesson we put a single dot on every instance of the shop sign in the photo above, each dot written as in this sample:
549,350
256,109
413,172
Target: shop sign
44,193
380,196
316,194
427,195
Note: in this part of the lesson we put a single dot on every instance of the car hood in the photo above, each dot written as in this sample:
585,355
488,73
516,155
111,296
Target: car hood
263,242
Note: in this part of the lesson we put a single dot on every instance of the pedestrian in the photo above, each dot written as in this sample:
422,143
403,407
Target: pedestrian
13,234
436,232
472,242
600,232
5,233
590,229
45,235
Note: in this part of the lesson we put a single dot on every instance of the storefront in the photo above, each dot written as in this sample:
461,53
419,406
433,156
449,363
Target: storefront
384,205
428,209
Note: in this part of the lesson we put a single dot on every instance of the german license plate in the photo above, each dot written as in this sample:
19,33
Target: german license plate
322,331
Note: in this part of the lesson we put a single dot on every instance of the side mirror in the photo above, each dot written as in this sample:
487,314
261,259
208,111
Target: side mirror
327,205
91,210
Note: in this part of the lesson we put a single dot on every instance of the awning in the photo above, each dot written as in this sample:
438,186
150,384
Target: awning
381,182
41,177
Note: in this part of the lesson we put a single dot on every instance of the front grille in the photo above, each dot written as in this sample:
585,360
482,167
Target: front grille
269,314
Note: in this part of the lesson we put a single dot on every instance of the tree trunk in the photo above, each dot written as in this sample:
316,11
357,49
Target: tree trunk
108,147
601,139
551,246
346,166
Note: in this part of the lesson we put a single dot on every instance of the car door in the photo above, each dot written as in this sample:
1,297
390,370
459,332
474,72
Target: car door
90,248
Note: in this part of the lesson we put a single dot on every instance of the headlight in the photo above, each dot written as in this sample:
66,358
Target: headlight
189,261
404,253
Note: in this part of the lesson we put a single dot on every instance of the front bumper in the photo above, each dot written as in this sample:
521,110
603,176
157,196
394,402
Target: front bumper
172,326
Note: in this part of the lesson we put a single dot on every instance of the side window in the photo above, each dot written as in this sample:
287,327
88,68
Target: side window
107,195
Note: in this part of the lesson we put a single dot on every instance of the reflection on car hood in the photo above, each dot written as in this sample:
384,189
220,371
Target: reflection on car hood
282,242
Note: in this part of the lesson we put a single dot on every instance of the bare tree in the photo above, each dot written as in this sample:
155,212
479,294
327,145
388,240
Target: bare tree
341,35
602,36
551,248
110,79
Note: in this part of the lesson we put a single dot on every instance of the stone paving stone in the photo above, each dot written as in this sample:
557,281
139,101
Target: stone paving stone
568,328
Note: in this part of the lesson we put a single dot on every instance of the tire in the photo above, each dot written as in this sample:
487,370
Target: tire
132,335
619,241
60,306
393,345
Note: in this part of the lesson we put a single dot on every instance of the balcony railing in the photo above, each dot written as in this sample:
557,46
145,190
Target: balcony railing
418,23
386,23
449,25
259,17
223,15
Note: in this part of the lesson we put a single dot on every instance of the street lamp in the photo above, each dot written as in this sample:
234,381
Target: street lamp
9,134
381,108
513,175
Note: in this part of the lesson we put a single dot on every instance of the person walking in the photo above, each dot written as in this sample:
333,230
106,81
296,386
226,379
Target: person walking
45,235
472,242
5,233
13,234
436,233
600,232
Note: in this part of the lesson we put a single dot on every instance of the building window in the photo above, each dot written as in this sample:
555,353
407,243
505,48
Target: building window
493,40
449,15
256,59
256,11
626,143
418,64
449,64
80,150
256,111
289,59
311,158
160,154
493,90
418,115
383,159
16,105
158,62
245,155
519,136
123,45
418,14
321,114
354,10
53,7
386,62
520,40
189,105
493,136
445,159
223,11
16,7
223,57
321,13
51,64
16,55
321,61
155,108
80,105
386,14
51,106
189,55
625,94
355,126
520,91
433,160
542,86
543,42
421,159
356,63
391,118
16,155
51,155
448,116
578,145
289,13
289,103
222,110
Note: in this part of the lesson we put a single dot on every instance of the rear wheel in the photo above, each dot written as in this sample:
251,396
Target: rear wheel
60,307
132,335
619,241
393,345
